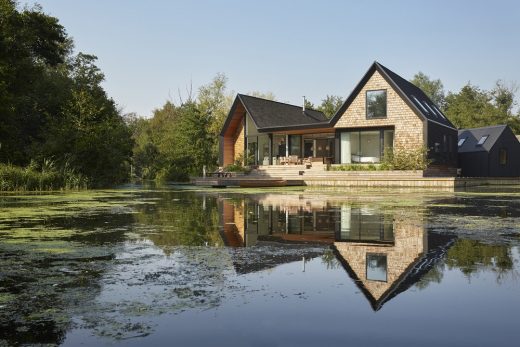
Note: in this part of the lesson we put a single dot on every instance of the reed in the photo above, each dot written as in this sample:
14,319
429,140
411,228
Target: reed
46,176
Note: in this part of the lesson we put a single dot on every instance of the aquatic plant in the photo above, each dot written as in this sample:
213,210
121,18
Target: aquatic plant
46,176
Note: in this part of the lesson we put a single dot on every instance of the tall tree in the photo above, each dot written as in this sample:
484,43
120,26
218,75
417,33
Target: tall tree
434,89
31,45
214,100
473,107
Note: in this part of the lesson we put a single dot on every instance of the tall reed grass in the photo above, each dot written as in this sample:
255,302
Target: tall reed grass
46,176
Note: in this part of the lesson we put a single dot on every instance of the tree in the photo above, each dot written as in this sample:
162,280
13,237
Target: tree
473,107
32,44
432,88
90,134
214,101
330,105
266,95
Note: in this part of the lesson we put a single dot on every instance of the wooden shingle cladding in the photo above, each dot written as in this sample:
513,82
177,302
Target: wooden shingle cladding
416,120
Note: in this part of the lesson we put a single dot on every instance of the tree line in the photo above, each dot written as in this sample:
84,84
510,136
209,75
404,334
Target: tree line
54,112
56,117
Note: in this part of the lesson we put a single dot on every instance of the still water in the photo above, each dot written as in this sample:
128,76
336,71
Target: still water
184,267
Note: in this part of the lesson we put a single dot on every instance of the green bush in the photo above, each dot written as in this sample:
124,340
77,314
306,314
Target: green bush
393,160
355,167
236,168
416,159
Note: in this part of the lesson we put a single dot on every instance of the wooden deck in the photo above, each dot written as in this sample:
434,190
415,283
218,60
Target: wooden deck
317,176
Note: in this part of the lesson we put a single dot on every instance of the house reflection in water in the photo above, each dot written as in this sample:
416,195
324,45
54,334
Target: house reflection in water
386,254
278,218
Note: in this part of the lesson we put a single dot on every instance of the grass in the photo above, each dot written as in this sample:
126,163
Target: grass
44,177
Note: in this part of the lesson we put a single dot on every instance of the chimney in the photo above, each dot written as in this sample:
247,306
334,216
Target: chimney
303,106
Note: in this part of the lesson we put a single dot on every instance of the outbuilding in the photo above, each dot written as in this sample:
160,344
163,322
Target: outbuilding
492,151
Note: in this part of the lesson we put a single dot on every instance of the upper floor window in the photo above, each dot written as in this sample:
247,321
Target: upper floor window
376,103
482,140
461,141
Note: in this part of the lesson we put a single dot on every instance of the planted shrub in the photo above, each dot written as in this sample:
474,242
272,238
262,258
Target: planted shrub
416,159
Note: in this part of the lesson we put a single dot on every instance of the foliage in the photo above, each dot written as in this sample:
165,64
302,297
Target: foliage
236,168
470,255
266,95
330,105
473,107
356,167
400,159
214,101
40,177
434,89
392,160
52,103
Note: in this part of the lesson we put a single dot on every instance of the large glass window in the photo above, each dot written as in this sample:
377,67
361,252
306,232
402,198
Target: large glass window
376,104
295,145
365,147
279,146
252,150
263,149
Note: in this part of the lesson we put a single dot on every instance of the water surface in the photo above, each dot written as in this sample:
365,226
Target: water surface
310,267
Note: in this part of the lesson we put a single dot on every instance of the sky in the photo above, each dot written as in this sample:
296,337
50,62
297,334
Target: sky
151,50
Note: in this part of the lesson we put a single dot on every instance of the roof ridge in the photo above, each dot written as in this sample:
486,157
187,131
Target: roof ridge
489,126
280,102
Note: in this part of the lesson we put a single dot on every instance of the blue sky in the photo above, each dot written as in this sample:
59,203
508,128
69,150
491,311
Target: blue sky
149,50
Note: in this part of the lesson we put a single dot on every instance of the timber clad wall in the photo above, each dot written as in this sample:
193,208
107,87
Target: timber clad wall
239,140
409,133
410,243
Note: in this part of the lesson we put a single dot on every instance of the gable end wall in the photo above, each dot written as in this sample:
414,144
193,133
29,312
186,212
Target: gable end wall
409,127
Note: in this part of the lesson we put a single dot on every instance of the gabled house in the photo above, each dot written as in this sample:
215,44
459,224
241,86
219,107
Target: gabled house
384,111
386,254
492,151
268,130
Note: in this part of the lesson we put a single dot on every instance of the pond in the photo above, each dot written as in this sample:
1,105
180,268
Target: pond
291,267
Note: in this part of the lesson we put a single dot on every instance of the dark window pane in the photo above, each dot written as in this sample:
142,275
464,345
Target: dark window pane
376,267
503,156
376,104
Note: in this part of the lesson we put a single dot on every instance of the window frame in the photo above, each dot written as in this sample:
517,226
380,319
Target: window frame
479,143
461,142
500,151
366,104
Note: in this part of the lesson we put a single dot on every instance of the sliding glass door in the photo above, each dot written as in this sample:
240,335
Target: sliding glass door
365,146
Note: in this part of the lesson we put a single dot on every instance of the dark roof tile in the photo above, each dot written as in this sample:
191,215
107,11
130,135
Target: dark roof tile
268,114
472,137
411,94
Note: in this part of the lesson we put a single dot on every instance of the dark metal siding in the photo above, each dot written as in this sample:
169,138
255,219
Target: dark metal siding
487,164
508,141
474,164
446,151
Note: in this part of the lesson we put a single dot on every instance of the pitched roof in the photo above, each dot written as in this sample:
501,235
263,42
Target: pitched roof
438,245
412,95
273,115
473,136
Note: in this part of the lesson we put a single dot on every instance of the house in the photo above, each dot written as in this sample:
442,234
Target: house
386,254
489,152
384,111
